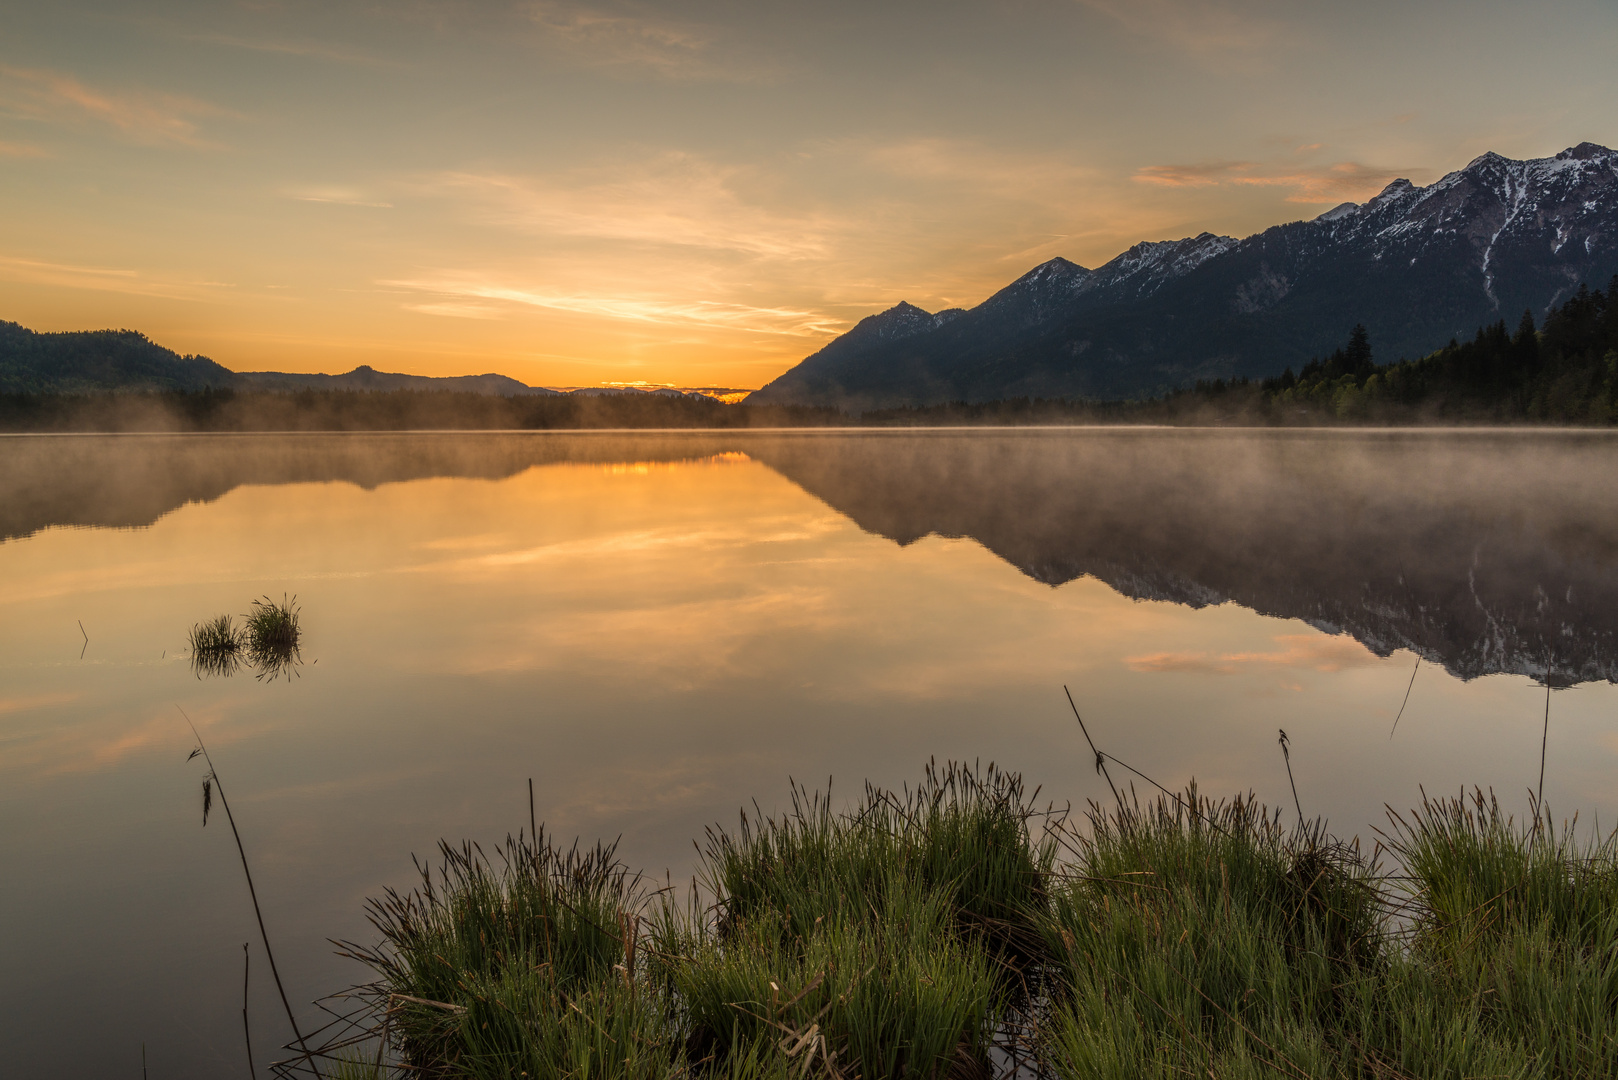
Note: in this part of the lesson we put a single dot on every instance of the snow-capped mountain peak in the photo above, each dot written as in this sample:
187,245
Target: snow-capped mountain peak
1417,265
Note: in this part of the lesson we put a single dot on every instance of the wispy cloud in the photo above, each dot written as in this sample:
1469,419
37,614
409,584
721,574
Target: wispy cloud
982,170
141,116
456,309
1307,651
1331,183
664,48
1216,33
674,199
339,196
458,289
314,50
104,279
1206,174
22,150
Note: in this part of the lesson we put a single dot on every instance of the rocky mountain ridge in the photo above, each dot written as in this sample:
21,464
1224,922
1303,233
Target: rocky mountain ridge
1416,265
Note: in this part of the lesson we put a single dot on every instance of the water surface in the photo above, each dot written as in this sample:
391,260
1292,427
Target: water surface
657,628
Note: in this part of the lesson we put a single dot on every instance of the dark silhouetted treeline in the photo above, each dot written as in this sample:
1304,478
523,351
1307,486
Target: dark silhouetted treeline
1564,372
87,360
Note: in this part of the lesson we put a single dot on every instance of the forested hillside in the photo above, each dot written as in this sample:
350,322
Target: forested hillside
81,360
1566,371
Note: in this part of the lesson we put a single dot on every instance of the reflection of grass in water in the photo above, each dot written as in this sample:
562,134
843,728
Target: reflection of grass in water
216,647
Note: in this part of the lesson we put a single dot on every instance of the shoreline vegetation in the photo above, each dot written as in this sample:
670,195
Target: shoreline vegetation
957,929
1562,373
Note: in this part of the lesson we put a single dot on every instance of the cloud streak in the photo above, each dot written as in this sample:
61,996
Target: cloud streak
1215,33
313,50
22,150
637,44
674,200
139,116
102,278
460,295
337,196
1334,183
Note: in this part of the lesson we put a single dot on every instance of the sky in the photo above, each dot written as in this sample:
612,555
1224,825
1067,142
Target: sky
702,193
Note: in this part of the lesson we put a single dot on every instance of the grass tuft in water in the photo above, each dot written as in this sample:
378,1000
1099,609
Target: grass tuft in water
878,941
272,637
1198,936
523,965
271,626
964,832
1519,923
216,647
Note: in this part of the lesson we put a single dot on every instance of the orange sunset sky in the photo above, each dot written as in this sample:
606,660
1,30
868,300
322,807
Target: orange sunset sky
702,193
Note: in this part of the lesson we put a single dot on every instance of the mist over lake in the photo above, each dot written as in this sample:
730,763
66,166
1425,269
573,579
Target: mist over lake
658,628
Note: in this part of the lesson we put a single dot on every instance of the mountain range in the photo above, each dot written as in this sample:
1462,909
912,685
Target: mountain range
92,361
1417,266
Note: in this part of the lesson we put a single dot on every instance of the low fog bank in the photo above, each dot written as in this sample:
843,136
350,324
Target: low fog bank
1483,552
132,481
1240,404
387,410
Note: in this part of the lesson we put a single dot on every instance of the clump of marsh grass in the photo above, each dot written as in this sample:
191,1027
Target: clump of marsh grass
268,641
272,625
272,637
216,647
880,986
1195,935
873,942
523,965
1519,920
877,940
950,930
1201,938
963,831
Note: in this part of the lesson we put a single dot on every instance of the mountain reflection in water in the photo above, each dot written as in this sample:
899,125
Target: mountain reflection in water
1484,552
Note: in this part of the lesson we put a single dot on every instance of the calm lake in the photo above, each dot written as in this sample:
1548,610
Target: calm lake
658,628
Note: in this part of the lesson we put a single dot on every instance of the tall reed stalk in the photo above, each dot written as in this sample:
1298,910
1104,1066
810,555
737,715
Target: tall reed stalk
210,784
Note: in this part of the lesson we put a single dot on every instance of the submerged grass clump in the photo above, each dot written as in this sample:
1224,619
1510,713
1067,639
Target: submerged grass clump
273,627
272,637
216,647
949,930
268,641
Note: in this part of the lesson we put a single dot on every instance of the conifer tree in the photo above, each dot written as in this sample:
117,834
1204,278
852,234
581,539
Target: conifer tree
1357,357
